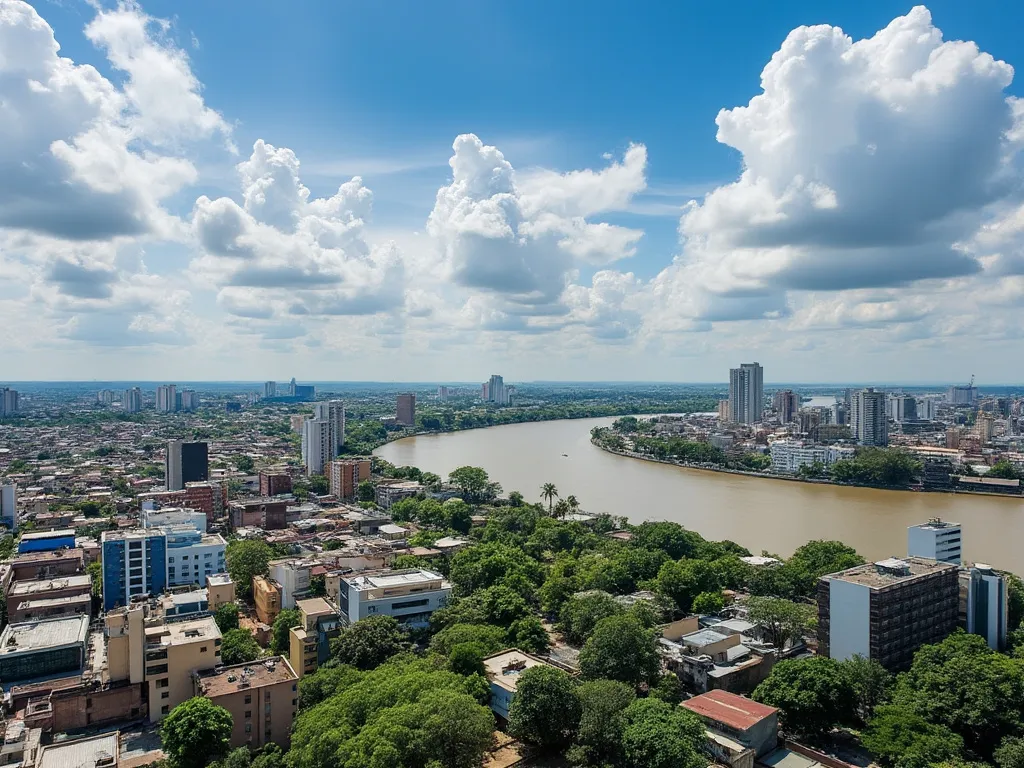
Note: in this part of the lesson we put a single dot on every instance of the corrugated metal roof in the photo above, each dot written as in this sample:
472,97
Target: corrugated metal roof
728,708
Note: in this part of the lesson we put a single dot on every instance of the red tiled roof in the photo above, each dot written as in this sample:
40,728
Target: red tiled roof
723,707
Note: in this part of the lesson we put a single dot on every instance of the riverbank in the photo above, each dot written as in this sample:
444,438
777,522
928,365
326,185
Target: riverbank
793,478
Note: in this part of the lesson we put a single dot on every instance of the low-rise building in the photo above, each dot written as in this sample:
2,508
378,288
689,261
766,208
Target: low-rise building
292,576
75,586
738,729
173,652
275,483
34,609
192,556
47,565
267,597
37,648
503,670
262,698
410,595
220,589
309,642
47,541
389,493
268,514
100,751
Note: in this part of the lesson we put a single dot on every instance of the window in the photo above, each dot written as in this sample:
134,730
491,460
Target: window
248,698
166,708
170,559
165,695
295,702
248,714
266,708
294,687
409,604
248,727
162,683
266,696
202,649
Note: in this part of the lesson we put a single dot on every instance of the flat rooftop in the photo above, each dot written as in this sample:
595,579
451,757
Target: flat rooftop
936,525
314,605
43,535
505,668
734,711
885,573
393,579
219,579
35,557
184,632
53,602
40,635
37,586
256,674
81,753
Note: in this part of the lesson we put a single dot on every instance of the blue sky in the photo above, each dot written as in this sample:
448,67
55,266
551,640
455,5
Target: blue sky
381,90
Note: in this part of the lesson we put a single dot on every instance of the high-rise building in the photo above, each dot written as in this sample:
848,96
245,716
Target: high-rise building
952,437
189,399
902,407
746,393
868,417
928,408
785,403
723,410
985,426
105,396
983,597
484,393
134,564
333,411
443,393
317,445
167,398
346,474
495,391
887,610
9,506
961,395
185,463
270,389
839,412
8,401
131,400
937,539
406,410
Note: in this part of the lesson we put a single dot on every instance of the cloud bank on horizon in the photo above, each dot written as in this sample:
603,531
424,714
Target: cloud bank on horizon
877,206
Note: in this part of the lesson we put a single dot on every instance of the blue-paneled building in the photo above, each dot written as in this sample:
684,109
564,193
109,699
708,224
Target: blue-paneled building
134,563
46,541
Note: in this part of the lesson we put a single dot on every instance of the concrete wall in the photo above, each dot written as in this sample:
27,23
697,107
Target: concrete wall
850,620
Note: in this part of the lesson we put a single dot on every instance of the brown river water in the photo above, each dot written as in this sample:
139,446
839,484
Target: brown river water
760,513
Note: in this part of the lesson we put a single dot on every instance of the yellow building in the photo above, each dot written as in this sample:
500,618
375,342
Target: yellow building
220,590
308,643
267,596
261,696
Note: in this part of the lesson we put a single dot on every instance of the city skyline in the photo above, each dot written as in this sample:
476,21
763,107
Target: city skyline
218,220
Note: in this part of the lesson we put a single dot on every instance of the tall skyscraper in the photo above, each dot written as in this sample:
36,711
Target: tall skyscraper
189,399
406,410
317,437
495,390
105,396
131,400
167,398
868,417
8,401
443,393
902,407
786,403
987,605
333,411
270,389
186,463
961,395
9,506
746,393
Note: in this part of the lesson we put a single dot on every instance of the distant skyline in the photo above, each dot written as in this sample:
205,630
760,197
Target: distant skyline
561,192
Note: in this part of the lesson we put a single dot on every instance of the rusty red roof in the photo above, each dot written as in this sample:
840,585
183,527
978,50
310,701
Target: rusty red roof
734,711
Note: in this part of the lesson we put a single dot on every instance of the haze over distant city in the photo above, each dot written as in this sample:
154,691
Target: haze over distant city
197,192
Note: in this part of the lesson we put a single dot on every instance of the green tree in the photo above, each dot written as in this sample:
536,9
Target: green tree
244,463
318,586
467,659
708,602
681,581
812,694
602,720
494,564
95,571
671,538
457,515
280,638
581,613
669,689
871,682
369,642
1014,601
902,739
528,634
365,491
319,484
962,684
498,605
238,646
247,558
620,648
658,735
545,711
226,617
549,493
1010,753
488,637
816,559
195,732
781,620
1004,469
474,484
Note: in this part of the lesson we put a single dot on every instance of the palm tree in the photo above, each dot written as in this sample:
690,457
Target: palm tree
572,503
549,492
561,508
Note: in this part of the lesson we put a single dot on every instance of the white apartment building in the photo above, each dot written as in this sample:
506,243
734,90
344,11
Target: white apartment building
928,408
9,506
333,412
293,577
8,401
192,556
167,398
937,539
746,393
789,455
172,516
410,596
131,400
317,436
902,407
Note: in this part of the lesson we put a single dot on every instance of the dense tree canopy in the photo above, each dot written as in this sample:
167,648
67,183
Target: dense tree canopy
195,732
238,646
280,638
782,620
602,721
812,694
581,613
226,617
369,642
545,711
658,735
247,558
622,649
902,739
